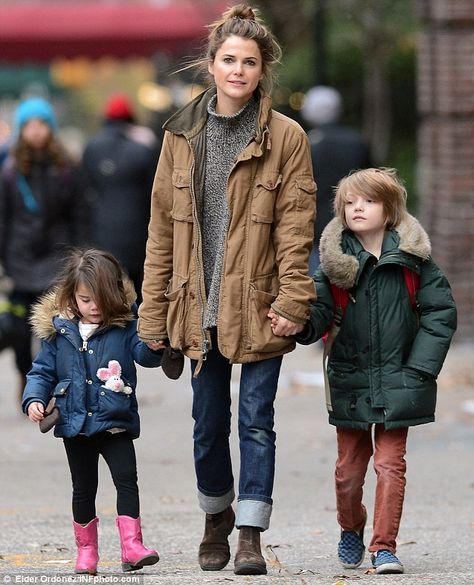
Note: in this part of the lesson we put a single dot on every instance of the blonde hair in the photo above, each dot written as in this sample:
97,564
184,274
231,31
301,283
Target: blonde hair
379,184
101,273
242,21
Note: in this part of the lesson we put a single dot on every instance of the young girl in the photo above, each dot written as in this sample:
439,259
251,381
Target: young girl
86,362
231,228
384,361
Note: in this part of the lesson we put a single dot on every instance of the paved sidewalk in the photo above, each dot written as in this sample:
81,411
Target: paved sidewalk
436,541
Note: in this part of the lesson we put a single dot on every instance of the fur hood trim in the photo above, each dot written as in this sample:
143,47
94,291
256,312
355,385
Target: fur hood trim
342,269
44,311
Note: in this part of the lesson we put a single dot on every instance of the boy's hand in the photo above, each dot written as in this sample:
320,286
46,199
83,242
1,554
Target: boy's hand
36,411
283,327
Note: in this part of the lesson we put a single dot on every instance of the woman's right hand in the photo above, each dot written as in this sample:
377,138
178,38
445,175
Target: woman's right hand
36,411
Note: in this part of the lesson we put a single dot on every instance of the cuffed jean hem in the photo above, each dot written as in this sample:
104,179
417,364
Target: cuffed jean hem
253,513
213,504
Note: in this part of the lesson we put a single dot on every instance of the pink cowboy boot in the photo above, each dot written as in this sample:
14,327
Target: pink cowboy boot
87,547
134,554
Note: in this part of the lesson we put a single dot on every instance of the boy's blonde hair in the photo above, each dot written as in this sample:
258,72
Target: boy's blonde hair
379,184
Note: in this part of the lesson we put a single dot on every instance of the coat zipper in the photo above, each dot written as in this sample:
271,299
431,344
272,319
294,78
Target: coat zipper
206,341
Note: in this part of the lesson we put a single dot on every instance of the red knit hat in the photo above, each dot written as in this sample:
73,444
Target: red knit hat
119,107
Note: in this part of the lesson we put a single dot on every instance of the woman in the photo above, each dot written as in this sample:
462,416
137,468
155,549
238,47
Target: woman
41,211
233,208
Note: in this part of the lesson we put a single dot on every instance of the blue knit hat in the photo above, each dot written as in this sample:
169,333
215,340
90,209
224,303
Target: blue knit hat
35,108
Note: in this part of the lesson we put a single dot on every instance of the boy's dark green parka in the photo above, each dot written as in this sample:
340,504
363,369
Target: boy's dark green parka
383,364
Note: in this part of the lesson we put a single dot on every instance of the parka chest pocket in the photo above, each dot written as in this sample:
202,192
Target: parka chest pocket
265,193
114,405
182,209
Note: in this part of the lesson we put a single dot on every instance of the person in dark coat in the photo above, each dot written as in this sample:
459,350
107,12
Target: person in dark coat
118,166
384,361
42,212
87,364
336,150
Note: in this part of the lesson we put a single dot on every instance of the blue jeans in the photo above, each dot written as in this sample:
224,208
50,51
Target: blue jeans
212,415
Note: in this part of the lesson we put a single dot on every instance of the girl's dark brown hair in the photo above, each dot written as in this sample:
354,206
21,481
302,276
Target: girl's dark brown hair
242,21
100,272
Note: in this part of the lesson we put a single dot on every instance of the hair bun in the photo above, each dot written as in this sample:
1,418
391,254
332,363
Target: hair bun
242,11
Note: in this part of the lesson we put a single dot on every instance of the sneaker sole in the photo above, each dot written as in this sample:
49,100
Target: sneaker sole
352,565
388,568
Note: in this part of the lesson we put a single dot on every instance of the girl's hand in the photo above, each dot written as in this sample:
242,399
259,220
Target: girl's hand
157,344
283,327
36,411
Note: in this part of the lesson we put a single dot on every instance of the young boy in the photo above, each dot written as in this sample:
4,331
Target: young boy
384,361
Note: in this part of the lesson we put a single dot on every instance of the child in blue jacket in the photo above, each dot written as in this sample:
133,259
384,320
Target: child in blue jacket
86,363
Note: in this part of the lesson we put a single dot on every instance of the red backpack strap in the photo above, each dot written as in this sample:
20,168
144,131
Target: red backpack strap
340,297
412,282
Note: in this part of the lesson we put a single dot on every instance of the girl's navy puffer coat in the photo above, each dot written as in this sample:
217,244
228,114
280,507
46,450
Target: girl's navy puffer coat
66,369
383,364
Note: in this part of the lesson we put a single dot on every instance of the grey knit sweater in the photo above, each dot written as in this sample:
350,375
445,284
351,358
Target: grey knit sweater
226,136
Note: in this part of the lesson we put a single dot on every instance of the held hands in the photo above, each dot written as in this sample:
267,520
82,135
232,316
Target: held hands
36,411
283,327
156,344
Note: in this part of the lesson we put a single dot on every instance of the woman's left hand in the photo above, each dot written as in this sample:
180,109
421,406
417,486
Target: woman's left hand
283,327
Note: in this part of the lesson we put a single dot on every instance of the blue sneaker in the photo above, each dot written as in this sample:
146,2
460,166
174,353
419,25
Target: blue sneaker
385,562
351,549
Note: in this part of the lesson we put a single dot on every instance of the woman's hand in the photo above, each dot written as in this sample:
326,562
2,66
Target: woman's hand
283,327
156,344
36,411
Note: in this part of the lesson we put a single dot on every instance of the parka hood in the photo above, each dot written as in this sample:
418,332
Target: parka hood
342,268
44,311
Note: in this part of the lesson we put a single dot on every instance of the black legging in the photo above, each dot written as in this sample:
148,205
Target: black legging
83,456
22,343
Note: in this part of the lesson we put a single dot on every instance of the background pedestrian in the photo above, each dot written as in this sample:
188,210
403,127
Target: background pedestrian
336,150
42,212
118,164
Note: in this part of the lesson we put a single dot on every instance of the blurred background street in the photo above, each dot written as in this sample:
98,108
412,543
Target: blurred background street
437,531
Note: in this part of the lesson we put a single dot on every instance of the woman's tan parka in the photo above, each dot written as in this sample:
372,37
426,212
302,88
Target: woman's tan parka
272,202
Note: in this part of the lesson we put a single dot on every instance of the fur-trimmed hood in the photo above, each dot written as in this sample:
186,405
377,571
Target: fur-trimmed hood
46,309
342,268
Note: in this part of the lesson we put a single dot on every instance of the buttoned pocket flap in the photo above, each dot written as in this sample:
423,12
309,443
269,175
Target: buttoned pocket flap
61,388
182,209
263,201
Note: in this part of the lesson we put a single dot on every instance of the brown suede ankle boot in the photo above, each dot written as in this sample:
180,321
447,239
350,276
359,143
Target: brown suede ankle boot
249,559
214,551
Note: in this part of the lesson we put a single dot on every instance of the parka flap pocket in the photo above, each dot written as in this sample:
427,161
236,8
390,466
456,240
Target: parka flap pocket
176,287
268,181
306,184
263,201
182,207
61,388
180,178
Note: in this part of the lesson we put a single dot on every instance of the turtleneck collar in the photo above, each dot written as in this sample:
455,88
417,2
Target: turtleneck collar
211,109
